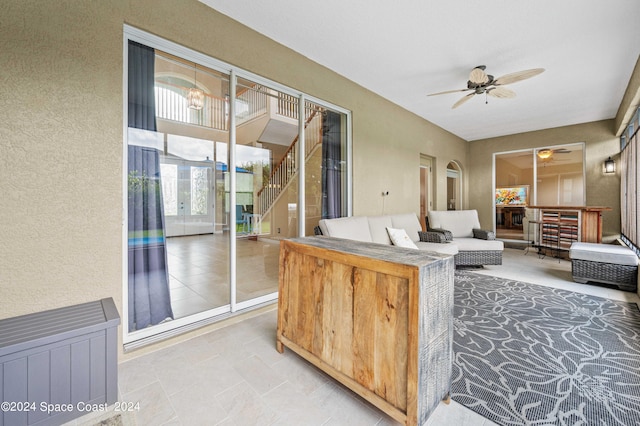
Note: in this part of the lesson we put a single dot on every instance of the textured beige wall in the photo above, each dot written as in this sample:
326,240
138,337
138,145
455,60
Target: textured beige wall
60,154
61,146
600,143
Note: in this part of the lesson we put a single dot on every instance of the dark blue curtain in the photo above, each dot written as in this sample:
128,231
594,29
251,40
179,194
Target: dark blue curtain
331,165
149,299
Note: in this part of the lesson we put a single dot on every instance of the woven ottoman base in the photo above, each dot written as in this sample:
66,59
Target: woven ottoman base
477,258
623,276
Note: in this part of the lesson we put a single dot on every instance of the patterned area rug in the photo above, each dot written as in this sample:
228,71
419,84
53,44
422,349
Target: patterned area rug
531,355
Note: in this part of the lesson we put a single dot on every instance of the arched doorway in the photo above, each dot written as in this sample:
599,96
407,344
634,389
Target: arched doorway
454,186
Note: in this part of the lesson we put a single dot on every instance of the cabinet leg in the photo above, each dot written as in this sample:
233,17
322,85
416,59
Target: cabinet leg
447,399
279,346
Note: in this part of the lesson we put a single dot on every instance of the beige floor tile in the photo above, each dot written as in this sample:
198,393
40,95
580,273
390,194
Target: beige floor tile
258,375
198,405
245,407
344,407
303,376
135,374
294,408
155,408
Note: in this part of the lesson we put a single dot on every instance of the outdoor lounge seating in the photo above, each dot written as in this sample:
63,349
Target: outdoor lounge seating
373,229
455,232
462,227
604,263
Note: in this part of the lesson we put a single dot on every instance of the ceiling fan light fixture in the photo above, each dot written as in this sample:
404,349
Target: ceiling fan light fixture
480,82
544,154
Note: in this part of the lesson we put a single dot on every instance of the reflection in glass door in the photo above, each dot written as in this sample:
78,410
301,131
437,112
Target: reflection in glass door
266,186
188,197
225,182
549,176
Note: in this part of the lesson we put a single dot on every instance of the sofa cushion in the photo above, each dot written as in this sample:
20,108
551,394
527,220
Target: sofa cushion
605,253
448,249
351,228
400,238
378,228
409,222
460,222
475,244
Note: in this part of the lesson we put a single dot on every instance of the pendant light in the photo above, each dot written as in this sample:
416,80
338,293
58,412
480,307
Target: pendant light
195,98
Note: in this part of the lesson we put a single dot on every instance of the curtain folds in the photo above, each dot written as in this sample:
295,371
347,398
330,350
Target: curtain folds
331,165
148,292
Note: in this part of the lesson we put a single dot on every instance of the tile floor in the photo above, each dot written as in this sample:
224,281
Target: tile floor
199,265
234,376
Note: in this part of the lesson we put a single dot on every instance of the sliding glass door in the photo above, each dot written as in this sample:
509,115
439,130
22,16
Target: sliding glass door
548,176
220,167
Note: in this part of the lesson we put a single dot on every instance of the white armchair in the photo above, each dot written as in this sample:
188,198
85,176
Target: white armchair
475,245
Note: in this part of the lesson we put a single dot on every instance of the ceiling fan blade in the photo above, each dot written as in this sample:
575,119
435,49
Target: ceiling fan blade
464,99
449,91
478,76
518,76
501,92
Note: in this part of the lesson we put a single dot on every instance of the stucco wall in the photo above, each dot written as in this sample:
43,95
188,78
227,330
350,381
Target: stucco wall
61,140
600,143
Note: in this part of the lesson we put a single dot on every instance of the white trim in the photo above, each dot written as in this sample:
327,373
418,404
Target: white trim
257,301
231,169
125,191
302,143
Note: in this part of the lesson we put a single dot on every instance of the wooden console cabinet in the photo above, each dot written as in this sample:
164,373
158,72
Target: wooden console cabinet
379,319
560,226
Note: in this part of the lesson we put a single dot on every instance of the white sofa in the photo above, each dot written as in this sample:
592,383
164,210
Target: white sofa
455,233
462,228
374,229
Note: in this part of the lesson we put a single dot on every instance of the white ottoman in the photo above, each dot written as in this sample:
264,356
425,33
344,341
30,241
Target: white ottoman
605,263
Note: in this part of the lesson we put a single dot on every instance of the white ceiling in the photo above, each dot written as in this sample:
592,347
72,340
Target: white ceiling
406,49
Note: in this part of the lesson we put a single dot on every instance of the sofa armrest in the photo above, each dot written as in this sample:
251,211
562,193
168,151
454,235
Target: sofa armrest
447,234
432,237
484,235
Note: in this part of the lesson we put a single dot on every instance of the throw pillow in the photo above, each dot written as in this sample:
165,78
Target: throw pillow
400,238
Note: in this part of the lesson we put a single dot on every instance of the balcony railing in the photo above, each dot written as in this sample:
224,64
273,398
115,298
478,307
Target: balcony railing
171,104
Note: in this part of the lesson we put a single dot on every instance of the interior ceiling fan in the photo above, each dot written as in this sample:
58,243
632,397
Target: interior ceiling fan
480,82
546,153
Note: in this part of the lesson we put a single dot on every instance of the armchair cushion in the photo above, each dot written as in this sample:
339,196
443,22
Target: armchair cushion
409,222
351,228
476,244
459,222
378,228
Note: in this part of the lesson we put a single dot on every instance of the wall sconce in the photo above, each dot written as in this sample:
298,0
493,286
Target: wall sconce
609,166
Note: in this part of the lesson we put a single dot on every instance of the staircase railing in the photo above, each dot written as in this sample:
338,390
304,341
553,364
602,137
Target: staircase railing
287,168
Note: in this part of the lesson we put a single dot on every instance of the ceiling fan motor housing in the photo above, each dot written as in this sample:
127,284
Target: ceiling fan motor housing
480,87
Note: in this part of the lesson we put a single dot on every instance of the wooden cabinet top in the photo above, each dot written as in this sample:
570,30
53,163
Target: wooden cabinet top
372,251
583,208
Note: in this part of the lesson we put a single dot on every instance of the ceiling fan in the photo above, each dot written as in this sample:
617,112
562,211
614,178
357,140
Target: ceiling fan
480,82
546,153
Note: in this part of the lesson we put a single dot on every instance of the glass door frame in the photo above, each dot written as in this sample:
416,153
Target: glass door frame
534,187
174,327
